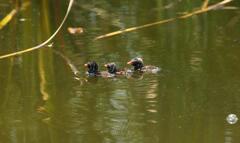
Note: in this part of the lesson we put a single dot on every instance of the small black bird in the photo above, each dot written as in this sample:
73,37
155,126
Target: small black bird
112,69
92,68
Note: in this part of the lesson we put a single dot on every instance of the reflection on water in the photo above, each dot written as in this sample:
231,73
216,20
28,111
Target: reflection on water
231,134
46,96
228,136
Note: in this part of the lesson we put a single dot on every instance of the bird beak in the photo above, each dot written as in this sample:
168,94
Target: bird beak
106,65
85,65
129,63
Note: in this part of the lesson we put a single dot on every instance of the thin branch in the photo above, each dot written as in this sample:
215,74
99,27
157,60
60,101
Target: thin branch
45,42
73,68
208,8
134,28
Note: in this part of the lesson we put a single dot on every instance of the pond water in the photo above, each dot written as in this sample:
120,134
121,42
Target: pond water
43,101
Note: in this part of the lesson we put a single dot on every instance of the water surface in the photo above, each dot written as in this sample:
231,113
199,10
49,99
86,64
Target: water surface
42,101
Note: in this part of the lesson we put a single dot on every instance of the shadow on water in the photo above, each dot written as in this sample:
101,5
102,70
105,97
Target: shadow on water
41,100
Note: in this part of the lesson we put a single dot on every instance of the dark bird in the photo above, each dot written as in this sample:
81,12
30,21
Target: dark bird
138,65
92,68
112,69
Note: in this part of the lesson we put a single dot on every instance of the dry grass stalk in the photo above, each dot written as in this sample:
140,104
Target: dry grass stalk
202,10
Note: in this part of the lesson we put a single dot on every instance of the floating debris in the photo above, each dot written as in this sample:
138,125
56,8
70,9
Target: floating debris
75,30
232,119
22,19
50,45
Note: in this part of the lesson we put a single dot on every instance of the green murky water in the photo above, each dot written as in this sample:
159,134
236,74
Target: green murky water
188,102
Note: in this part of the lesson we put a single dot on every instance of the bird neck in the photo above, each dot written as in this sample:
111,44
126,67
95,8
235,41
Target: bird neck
93,70
138,66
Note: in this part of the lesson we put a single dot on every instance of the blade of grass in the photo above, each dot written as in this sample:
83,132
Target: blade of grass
134,28
45,42
7,18
209,8
212,7
10,16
